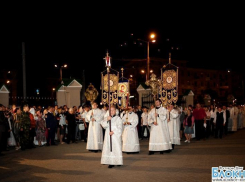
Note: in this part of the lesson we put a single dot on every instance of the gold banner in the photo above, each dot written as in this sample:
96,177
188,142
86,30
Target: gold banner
113,82
169,89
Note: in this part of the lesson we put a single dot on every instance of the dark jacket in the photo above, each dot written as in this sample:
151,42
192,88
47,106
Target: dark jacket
71,120
2,122
51,121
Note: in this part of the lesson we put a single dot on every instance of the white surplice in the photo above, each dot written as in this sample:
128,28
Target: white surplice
234,119
130,133
95,134
173,126
113,157
159,134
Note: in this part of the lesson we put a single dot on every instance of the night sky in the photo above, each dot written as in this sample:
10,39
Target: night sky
206,36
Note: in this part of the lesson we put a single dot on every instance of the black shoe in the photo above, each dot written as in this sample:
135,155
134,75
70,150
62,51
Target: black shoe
95,151
151,153
119,165
168,151
161,152
110,166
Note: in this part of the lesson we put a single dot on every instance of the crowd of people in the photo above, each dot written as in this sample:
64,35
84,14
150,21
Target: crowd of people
116,131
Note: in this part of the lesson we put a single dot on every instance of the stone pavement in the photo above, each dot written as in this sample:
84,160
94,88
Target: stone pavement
67,163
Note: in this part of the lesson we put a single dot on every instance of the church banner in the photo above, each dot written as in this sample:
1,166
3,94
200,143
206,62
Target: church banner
168,92
123,94
111,91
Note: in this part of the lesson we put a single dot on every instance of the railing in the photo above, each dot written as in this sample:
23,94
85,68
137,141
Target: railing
32,100
147,100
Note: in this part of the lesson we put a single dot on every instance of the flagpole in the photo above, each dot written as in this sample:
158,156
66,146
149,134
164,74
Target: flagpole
108,64
108,73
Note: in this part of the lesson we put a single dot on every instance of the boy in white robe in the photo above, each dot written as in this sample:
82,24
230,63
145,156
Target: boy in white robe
95,133
130,134
159,133
112,154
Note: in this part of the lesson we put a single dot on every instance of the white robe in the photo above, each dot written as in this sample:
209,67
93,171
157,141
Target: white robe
159,134
173,126
113,157
234,118
130,134
11,139
243,122
95,134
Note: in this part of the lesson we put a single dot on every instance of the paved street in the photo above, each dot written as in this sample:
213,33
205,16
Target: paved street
63,163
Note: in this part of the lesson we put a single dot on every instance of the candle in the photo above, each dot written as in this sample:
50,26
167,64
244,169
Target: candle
127,99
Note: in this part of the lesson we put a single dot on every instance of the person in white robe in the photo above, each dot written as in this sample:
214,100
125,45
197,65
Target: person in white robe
112,157
230,120
243,122
240,118
130,134
234,119
95,134
85,120
159,133
104,110
173,125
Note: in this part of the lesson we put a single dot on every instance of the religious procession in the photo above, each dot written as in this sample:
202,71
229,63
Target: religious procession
114,127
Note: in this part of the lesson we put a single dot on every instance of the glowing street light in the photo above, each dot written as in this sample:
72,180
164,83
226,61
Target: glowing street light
8,81
152,39
61,67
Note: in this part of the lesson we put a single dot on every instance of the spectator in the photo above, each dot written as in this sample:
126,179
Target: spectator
188,126
41,128
51,126
62,124
200,118
70,117
219,121
207,129
16,127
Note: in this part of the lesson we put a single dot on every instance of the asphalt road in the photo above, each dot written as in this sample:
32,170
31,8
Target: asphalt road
67,163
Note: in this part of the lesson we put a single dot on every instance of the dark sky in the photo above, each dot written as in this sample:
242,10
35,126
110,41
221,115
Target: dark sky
207,36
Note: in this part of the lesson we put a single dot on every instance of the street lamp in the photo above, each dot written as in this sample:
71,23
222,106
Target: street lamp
152,39
60,67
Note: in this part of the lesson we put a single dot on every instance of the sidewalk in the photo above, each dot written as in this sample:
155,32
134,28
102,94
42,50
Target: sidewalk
67,163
